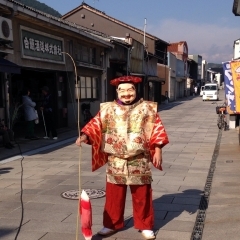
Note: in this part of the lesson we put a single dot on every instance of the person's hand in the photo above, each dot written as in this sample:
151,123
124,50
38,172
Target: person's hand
81,139
157,157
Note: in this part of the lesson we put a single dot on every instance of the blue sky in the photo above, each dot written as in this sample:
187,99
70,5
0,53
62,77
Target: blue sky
208,26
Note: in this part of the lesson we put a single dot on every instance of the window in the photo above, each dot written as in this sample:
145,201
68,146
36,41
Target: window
88,87
86,54
210,87
92,55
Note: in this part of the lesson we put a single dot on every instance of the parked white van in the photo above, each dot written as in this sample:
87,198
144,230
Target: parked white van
210,92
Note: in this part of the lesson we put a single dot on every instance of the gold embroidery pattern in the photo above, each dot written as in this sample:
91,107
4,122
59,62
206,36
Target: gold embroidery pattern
125,136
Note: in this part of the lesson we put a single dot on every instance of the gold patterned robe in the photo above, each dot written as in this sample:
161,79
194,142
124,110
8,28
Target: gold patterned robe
124,137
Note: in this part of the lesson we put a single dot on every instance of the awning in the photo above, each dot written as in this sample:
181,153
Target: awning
87,65
137,74
156,79
9,67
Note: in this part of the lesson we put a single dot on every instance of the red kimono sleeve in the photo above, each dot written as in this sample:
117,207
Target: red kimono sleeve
158,137
93,129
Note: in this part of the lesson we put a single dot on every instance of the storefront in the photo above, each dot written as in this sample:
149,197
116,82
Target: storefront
41,60
172,95
181,87
7,69
155,88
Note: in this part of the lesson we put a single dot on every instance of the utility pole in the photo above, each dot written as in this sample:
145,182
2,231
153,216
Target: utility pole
144,33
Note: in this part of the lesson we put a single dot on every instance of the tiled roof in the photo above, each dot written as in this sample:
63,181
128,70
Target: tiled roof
101,13
65,22
173,47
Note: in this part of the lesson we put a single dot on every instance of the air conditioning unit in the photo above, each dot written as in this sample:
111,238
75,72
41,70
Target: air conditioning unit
6,29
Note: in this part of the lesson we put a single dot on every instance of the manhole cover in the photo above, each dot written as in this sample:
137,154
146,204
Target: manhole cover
92,193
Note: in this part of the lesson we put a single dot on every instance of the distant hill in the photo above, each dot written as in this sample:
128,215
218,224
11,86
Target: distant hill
41,7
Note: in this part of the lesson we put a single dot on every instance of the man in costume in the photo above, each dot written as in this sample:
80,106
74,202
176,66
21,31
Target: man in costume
127,135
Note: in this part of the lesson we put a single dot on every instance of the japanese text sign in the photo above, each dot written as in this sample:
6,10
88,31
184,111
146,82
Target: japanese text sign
232,86
41,46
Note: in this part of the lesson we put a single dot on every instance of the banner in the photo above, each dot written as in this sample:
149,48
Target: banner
235,69
229,88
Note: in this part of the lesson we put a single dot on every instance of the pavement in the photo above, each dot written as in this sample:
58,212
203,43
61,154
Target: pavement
27,146
48,168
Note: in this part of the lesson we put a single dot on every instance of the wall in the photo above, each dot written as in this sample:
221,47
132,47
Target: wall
172,80
70,46
172,62
136,55
181,84
163,73
118,53
105,25
198,60
204,72
180,69
150,67
17,45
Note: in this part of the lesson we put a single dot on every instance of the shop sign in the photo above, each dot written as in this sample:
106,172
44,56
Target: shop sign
41,46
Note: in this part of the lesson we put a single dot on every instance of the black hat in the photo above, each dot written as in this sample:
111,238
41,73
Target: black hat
45,88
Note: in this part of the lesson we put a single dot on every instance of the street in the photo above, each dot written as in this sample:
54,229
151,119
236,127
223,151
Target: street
191,125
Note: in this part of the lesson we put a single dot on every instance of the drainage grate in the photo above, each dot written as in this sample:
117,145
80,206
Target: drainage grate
92,193
200,219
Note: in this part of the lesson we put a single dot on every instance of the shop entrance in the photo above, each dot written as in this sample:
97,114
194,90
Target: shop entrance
35,80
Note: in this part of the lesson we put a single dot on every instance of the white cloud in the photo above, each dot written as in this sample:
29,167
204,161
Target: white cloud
213,42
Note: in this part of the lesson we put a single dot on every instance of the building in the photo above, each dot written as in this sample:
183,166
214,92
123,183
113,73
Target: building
236,7
163,73
180,50
192,75
155,49
204,72
39,54
198,60
172,83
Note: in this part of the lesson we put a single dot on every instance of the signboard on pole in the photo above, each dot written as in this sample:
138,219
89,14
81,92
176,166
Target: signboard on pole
231,71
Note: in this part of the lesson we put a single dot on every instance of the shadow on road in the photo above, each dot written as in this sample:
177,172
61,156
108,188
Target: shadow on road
168,106
5,170
5,231
186,201
175,204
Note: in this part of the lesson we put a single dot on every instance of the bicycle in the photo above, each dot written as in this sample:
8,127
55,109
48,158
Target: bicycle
221,121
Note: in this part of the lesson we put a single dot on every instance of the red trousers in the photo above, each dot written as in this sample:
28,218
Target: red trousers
143,216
